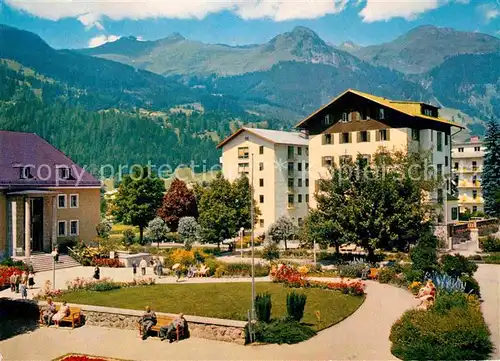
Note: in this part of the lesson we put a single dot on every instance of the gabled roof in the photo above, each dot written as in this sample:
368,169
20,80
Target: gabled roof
402,106
273,136
18,149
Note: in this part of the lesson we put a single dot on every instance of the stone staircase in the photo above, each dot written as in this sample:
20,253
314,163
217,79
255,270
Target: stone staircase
44,262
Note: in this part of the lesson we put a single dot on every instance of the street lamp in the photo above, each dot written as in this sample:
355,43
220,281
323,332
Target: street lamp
241,233
252,317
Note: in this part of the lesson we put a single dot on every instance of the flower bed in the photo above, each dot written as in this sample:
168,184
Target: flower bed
6,273
79,357
107,262
292,277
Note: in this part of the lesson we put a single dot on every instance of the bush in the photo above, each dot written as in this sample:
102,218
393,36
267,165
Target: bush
241,270
448,300
457,265
295,304
457,333
471,285
104,286
271,252
128,237
423,255
493,258
386,274
103,229
282,331
9,262
445,282
490,244
351,270
263,307
412,275
107,262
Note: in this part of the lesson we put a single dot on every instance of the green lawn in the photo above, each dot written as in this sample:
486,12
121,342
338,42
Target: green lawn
222,300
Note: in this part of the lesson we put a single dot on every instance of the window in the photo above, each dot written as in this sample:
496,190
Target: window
299,167
61,228
261,223
383,135
290,199
439,141
307,198
427,112
381,113
474,180
243,168
300,222
460,149
290,152
247,137
74,228
261,149
474,165
299,182
445,160
307,166
63,172
299,150
345,117
454,213
440,196
61,201
327,120
363,136
366,159
440,170
261,166
474,209
415,135
25,173
261,198
474,194
477,149
345,138
243,153
307,150
290,168
290,182
344,159
432,135
327,139
307,182
327,161
456,165
446,139
299,198
261,182
73,200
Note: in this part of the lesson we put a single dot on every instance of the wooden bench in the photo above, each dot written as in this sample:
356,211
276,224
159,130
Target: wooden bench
160,322
74,317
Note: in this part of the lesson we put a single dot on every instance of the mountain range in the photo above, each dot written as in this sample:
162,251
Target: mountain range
203,91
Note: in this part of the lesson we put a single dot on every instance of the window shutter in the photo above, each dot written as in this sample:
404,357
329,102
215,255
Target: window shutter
350,137
368,135
388,134
377,135
358,137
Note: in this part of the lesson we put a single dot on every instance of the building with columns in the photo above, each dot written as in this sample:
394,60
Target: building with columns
45,198
279,172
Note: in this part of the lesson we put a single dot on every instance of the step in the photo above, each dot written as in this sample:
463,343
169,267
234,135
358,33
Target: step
45,262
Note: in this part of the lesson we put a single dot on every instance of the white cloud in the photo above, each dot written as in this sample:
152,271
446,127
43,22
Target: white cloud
380,10
489,11
89,13
102,39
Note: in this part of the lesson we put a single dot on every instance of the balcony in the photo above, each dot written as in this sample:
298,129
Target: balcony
468,170
470,200
467,184
466,155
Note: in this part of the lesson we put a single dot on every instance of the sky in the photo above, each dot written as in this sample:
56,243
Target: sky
84,23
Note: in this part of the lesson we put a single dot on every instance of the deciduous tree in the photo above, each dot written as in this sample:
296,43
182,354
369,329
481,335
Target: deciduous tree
189,231
138,199
157,230
179,201
282,230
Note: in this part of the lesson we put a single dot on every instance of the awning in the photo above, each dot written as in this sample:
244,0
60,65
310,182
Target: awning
31,192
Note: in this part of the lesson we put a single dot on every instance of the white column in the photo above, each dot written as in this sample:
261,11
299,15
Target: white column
14,227
27,228
54,223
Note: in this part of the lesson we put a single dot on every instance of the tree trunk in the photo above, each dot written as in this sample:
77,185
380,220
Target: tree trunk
286,245
141,234
337,248
371,254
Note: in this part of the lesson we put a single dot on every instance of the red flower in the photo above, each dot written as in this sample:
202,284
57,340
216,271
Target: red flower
6,272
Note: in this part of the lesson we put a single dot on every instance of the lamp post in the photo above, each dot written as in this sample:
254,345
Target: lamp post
314,251
241,234
252,317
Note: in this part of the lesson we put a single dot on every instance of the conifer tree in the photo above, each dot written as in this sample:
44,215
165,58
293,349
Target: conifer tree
491,170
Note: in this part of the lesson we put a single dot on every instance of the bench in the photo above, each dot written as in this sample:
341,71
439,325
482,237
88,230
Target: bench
160,322
74,317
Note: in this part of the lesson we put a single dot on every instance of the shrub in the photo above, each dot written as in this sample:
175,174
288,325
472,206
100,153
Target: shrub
490,244
104,286
412,275
103,229
295,304
457,265
471,285
107,262
445,282
263,307
449,332
282,331
128,237
386,274
423,255
9,262
271,252
492,258
351,270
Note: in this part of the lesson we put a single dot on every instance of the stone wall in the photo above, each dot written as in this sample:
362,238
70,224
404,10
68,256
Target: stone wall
201,327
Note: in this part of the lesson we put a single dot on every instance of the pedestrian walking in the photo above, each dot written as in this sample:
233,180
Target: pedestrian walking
23,289
134,269
143,265
97,273
31,279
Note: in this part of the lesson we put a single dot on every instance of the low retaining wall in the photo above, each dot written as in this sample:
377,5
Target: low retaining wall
201,327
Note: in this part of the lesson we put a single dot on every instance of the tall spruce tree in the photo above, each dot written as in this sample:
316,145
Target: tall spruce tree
491,170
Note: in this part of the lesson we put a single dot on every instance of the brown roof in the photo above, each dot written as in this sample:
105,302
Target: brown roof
19,150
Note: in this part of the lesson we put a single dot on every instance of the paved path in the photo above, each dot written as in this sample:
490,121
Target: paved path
488,276
362,336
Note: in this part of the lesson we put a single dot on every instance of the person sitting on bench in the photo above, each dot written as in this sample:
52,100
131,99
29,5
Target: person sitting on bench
170,330
148,320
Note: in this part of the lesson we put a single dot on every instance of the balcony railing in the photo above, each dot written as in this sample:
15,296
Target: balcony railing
471,200
469,170
466,184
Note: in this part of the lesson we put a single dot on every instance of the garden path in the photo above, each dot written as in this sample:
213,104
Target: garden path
488,276
362,336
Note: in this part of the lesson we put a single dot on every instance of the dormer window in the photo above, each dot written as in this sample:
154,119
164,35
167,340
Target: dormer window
345,117
381,113
327,120
63,172
25,172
